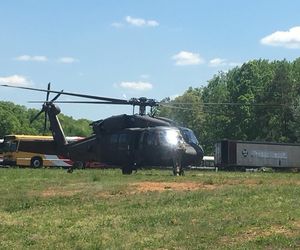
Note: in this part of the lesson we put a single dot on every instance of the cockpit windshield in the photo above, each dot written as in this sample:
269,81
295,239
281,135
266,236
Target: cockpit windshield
189,136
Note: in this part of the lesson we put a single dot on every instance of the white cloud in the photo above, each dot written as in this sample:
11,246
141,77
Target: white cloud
68,60
216,62
15,80
135,21
117,25
27,58
140,86
152,23
140,22
187,58
234,64
288,39
144,76
221,62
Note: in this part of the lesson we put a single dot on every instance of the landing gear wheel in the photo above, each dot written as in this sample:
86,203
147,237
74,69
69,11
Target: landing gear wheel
127,170
70,170
36,162
178,172
181,173
177,162
178,169
78,165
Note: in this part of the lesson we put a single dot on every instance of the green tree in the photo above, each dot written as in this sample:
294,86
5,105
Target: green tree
15,119
186,111
257,101
216,117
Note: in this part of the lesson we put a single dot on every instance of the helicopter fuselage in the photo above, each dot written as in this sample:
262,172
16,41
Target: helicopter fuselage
137,147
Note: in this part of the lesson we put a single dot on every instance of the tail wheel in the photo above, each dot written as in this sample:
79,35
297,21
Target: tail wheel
79,165
127,170
36,162
178,172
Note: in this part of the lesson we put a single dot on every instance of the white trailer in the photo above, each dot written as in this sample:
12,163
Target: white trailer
246,154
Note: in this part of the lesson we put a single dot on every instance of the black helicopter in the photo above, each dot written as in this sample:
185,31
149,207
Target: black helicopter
126,141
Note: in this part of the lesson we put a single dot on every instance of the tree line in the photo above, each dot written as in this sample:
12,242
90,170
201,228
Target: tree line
258,101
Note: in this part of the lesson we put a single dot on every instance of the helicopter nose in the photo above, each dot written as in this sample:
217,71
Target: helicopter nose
193,154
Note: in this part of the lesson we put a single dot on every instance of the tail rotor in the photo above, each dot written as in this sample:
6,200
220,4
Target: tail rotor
46,107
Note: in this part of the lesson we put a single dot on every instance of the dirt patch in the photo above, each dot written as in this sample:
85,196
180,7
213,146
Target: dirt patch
176,186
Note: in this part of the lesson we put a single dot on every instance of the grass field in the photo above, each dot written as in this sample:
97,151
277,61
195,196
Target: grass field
102,209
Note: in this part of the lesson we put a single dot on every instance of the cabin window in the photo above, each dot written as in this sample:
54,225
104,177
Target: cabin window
114,139
123,139
136,140
144,138
123,142
151,139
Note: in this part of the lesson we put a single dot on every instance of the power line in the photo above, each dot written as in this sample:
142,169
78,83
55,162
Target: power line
225,104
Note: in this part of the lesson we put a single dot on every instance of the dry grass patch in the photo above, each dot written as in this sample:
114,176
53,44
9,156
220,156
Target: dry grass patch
53,192
175,186
256,232
60,191
256,182
9,219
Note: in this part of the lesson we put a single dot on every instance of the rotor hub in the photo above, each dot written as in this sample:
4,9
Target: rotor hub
143,102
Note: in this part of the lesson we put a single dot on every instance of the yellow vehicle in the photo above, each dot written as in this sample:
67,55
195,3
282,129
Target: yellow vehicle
33,151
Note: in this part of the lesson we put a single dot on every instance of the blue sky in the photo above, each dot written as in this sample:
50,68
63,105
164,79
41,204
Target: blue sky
125,49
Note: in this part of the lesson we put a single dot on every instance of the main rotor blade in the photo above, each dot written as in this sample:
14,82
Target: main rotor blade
84,102
48,93
58,95
36,116
114,100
